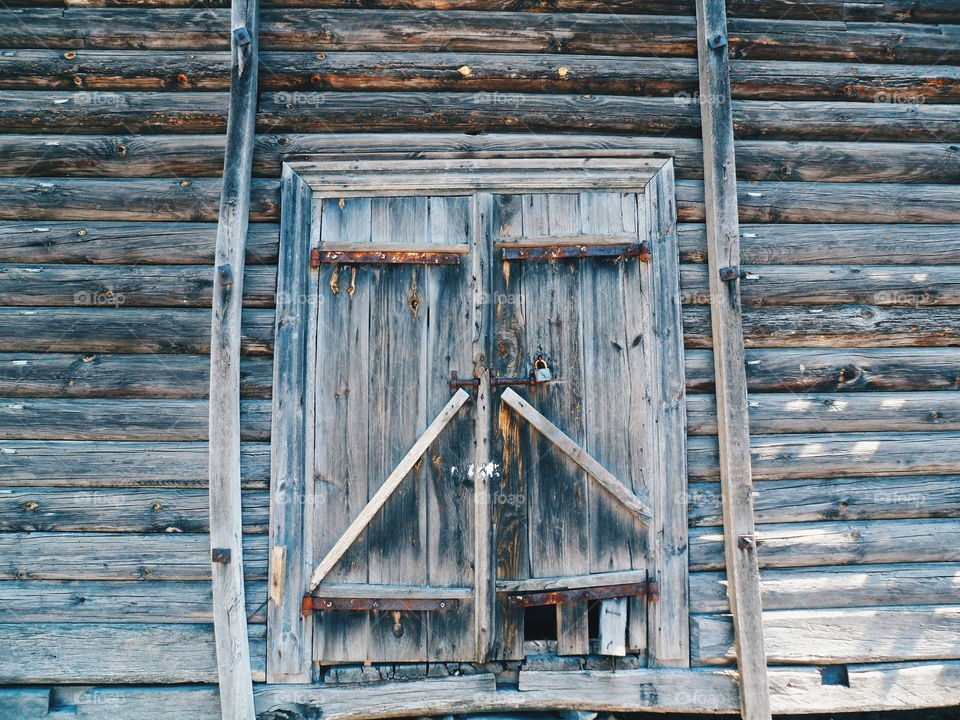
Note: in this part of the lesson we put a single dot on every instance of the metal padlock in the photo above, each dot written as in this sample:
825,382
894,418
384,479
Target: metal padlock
541,371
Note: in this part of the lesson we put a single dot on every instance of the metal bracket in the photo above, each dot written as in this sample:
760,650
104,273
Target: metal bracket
557,252
242,36
717,41
650,588
731,272
312,603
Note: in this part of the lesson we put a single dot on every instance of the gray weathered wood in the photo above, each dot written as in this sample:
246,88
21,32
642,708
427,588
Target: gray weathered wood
837,586
126,653
838,543
226,532
839,635
289,632
639,505
733,423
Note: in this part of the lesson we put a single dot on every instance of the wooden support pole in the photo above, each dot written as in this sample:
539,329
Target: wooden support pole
733,430
226,532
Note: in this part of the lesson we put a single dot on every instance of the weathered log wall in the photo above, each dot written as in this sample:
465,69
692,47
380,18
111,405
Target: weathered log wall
112,116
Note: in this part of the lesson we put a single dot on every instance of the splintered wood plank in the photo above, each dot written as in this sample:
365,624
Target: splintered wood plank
226,524
558,516
342,392
509,499
449,550
398,346
669,624
613,626
733,422
615,371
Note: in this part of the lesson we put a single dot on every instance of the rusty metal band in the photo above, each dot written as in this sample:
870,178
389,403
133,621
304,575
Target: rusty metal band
556,597
312,603
560,252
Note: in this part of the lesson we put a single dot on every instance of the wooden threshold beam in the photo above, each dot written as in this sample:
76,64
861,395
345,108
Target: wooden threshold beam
733,428
226,528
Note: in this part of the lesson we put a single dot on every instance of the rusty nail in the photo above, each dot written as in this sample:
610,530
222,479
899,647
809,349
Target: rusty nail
731,272
746,542
220,555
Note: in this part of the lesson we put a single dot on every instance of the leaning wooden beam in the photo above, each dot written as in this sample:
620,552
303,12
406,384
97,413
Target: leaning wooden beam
226,530
733,422
639,505
402,469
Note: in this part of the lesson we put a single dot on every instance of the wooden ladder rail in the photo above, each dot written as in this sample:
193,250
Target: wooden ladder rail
733,430
226,529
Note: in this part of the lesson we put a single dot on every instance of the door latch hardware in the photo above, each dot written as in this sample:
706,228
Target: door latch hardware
456,382
650,588
311,603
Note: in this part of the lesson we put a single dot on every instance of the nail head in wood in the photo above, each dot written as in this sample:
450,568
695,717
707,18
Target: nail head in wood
747,542
220,555
717,41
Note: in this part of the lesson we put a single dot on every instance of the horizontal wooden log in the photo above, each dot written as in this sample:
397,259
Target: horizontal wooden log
830,244
315,111
202,155
155,420
119,556
767,285
858,498
81,464
106,375
136,243
837,636
126,285
186,330
833,370
836,326
155,376
185,420
837,543
930,11
322,30
108,329
124,653
841,586
795,689
195,201
90,70
112,601
834,412
140,510
44,285
825,455
802,202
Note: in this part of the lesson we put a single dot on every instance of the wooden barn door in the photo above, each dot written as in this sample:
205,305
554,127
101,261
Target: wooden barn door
579,317
495,409
391,324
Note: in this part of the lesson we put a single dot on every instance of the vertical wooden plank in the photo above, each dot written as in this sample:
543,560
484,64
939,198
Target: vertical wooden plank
226,534
613,627
342,387
668,617
558,497
720,194
398,412
449,308
482,303
509,497
288,631
616,403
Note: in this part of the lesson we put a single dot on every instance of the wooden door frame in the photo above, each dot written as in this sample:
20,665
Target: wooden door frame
289,631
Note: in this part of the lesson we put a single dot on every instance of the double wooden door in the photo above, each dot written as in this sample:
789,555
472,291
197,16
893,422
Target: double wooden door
484,380
392,335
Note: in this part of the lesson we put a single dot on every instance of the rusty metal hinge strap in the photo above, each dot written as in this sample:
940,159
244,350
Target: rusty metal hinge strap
650,588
